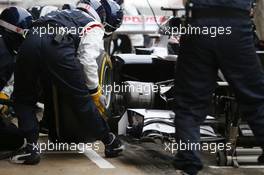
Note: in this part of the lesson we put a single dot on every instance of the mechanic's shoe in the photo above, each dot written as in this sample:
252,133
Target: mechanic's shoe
186,172
180,172
186,167
114,148
28,155
261,159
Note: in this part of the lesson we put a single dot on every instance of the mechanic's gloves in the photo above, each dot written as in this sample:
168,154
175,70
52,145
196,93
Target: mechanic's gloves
3,108
100,102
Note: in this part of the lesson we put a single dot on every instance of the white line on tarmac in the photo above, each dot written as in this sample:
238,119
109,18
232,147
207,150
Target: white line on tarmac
241,167
98,160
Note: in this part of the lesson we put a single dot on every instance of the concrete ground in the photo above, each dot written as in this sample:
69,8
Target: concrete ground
138,159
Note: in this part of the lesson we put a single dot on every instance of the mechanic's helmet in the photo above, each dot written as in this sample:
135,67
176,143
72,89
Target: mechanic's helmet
110,13
39,11
120,2
114,16
68,7
93,8
13,24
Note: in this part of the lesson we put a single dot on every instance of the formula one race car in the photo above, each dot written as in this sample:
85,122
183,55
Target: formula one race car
140,101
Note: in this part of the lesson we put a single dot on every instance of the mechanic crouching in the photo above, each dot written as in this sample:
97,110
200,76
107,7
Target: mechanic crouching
200,58
10,40
68,61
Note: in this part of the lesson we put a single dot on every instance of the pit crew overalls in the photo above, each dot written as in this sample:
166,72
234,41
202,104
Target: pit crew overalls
200,58
51,60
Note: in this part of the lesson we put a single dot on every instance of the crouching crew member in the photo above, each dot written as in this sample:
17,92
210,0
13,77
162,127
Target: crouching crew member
10,138
66,59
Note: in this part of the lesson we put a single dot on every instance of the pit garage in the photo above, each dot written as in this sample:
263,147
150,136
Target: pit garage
136,72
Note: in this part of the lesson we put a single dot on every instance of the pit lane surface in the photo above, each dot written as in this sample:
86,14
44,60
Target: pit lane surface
138,159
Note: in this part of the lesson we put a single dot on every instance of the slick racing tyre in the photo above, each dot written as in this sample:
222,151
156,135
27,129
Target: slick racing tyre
105,72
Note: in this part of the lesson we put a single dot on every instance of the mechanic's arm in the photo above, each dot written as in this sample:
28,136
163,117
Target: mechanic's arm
90,48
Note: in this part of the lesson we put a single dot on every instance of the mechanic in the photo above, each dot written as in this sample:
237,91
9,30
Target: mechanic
67,60
200,58
7,57
9,133
37,12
